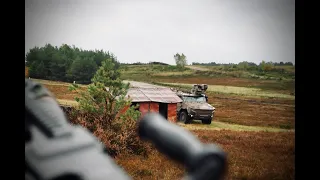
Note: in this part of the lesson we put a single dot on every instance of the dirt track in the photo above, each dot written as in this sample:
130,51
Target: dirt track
197,68
142,84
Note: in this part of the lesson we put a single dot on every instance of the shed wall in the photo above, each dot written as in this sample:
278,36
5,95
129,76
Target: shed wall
143,108
172,113
154,107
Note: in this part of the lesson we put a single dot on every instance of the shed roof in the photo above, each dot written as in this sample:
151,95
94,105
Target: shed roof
164,95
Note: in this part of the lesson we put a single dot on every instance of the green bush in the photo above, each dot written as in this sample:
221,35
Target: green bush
105,111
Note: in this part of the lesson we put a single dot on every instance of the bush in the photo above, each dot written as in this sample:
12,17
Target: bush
104,110
120,137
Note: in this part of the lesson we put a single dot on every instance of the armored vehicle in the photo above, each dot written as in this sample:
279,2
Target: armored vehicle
194,105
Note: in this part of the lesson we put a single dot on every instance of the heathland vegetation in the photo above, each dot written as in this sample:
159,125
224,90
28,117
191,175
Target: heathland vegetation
254,120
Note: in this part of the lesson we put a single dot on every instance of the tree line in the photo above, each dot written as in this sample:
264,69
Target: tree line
66,63
69,63
250,66
244,62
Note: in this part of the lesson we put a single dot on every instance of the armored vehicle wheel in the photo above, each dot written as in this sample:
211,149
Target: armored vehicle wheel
184,117
207,121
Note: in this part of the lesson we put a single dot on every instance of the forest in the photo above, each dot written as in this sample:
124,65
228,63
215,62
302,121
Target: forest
65,63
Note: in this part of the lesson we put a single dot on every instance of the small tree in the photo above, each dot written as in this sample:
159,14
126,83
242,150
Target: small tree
243,65
266,66
105,97
181,60
107,110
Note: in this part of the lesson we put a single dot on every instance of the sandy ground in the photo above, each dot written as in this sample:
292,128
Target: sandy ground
197,68
141,84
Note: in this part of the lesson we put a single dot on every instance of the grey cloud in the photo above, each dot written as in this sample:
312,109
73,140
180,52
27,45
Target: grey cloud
140,30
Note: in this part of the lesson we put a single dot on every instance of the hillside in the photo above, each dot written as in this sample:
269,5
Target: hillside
279,79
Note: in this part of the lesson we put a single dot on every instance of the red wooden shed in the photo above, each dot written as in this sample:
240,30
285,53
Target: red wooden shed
161,100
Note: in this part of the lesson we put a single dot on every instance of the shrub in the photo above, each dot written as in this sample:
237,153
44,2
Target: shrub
120,137
106,112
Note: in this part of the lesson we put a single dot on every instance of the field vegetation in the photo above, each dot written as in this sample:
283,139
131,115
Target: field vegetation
254,120
251,155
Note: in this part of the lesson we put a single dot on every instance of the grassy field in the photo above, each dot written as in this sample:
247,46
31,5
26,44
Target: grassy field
254,122
286,87
238,100
230,108
216,125
254,112
251,156
243,91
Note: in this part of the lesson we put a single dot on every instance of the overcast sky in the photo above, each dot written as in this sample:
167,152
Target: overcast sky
154,30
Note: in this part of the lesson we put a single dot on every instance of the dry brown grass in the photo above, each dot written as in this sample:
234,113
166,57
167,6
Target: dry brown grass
254,112
155,166
226,81
61,91
285,88
251,155
241,91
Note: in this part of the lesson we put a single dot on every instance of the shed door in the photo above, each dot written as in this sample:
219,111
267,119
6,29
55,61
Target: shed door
163,110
